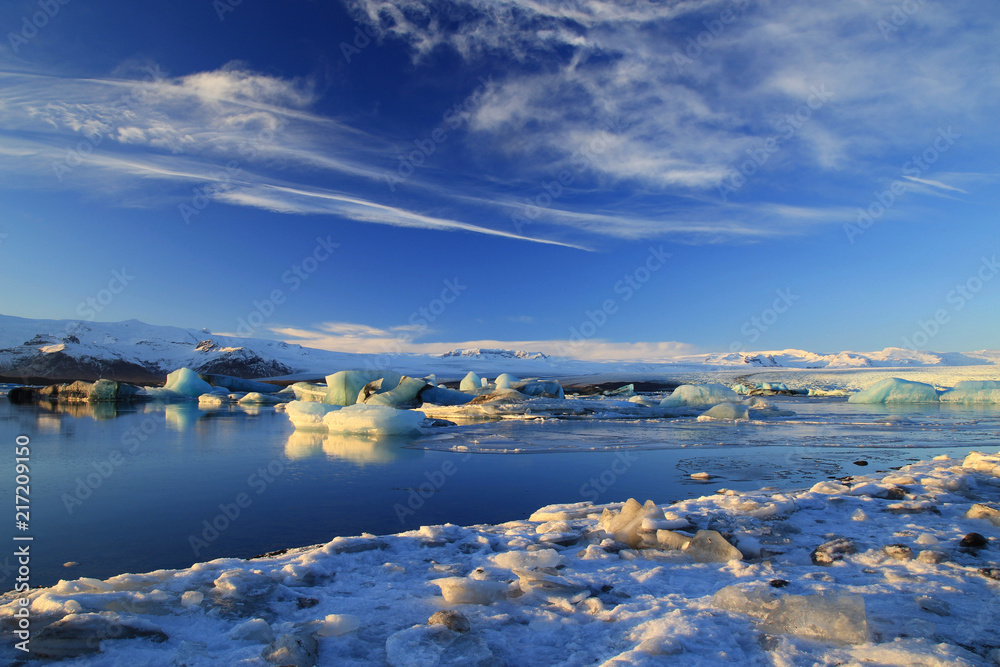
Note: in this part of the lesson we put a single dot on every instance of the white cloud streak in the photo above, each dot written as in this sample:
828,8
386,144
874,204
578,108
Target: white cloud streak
364,339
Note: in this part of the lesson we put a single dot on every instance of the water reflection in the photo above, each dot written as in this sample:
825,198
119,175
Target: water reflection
97,411
348,447
181,416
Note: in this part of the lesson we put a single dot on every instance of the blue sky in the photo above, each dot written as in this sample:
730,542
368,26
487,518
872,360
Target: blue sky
640,178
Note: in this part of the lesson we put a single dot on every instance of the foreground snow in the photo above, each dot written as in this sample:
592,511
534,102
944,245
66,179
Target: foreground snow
860,570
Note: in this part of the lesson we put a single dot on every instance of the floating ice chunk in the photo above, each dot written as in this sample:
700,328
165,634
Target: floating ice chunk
404,394
703,394
708,546
984,511
568,512
526,560
308,415
306,391
829,392
668,539
894,390
988,463
839,619
547,388
505,381
213,400
730,411
471,382
462,590
829,488
257,398
625,525
255,630
971,391
426,645
244,583
192,598
185,382
230,383
82,585
343,387
297,650
335,625
550,588
444,396
373,420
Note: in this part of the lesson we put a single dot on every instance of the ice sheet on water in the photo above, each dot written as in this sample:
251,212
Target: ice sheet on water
895,390
702,394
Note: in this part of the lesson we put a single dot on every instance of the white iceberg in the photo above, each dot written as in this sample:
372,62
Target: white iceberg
702,394
730,411
182,382
308,414
373,420
471,382
895,390
971,391
505,381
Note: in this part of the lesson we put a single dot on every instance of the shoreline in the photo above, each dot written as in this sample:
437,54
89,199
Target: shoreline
561,592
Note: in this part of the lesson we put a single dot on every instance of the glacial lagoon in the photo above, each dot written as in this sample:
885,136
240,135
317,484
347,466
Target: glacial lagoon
141,487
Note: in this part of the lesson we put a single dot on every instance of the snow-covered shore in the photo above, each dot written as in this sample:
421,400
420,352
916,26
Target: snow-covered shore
560,590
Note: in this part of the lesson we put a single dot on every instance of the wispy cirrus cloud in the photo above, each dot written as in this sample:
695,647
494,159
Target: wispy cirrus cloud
678,93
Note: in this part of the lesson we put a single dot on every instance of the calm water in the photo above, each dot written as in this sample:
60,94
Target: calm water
127,489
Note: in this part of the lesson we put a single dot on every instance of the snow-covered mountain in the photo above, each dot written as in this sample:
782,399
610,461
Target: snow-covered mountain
890,357
133,351
492,353
51,350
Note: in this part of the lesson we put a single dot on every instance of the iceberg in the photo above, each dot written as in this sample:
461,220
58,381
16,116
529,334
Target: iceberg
703,394
343,387
546,388
257,398
308,414
971,391
373,420
306,391
403,395
185,382
505,381
444,396
239,384
895,390
470,382
731,411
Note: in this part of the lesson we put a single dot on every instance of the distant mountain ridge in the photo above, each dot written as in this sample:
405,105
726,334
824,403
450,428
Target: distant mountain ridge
494,353
36,351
